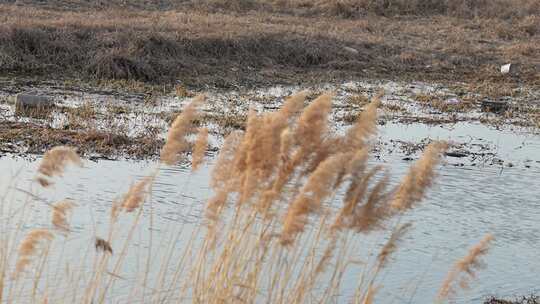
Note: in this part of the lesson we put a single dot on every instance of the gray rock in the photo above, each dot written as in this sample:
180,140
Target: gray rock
33,105
33,101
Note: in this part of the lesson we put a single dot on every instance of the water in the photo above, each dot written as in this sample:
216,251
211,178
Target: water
493,189
468,201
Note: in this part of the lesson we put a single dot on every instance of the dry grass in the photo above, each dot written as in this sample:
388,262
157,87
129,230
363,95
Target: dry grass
339,8
276,231
211,44
108,144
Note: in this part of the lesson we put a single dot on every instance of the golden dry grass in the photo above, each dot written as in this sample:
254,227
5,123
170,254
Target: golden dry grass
223,47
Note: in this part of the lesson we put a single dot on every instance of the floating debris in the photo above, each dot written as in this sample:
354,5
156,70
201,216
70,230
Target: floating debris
494,106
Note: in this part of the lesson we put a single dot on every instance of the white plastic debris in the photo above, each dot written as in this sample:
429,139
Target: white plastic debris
509,68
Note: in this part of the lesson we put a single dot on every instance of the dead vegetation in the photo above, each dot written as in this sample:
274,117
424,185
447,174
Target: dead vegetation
532,299
503,9
88,142
210,43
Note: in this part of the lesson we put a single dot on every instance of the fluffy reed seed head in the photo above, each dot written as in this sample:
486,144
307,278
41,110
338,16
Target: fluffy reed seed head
369,215
293,104
313,122
391,245
201,144
54,162
29,247
420,177
464,269
136,194
223,171
318,187
181,127
364,127
259,154
354,214
59,215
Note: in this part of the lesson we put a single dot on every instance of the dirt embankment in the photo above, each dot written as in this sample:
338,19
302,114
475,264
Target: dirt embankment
267,42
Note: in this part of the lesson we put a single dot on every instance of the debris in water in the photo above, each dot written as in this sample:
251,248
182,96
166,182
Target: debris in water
494,106
457,154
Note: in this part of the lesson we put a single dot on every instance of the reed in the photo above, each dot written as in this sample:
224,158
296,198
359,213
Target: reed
54,162
292,202
180,128
199,149
465,269
31,246
60,213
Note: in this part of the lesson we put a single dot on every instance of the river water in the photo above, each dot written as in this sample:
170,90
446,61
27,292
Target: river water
471,198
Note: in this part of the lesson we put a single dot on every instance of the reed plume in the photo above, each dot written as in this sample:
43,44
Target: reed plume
30,246
201,143
133,199
318,187
364,127
292,105
54,162
216,204
419,178
391,245
259,153
223,170
313,123
354,214
464,270
59,215
223,177
181,127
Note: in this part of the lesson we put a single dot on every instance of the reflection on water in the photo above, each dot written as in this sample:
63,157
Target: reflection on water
466,203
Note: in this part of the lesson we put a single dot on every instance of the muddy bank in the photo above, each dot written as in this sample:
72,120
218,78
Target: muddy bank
532,299
31,138
121,124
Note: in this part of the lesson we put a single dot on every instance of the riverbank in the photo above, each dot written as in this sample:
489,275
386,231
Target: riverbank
108,124
206,45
